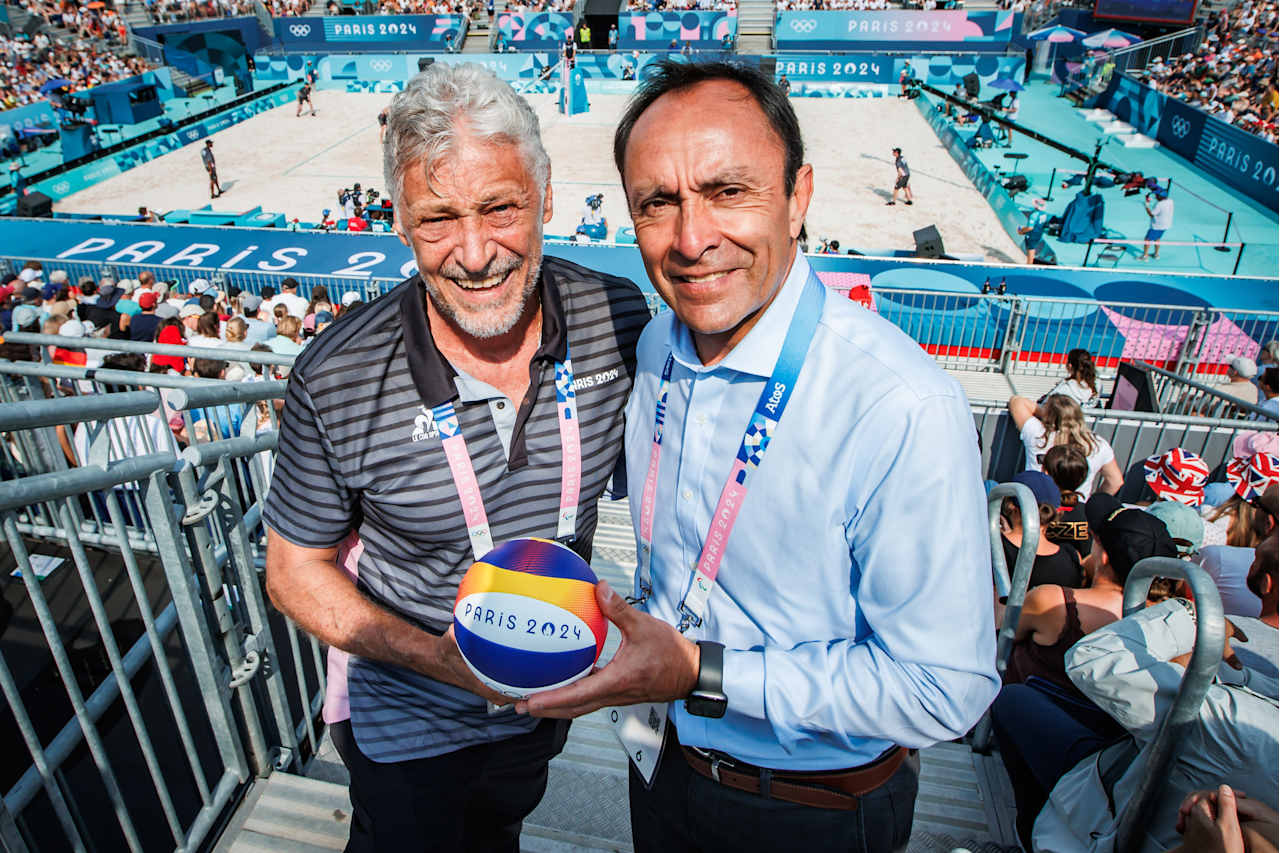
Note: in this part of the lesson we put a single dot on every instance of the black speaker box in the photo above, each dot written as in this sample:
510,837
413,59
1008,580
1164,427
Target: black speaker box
425,62
928,242
972,85
35,205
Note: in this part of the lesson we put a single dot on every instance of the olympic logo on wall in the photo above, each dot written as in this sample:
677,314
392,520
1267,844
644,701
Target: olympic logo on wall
804,25
299,30
380,65
193,135
61,187
1181,127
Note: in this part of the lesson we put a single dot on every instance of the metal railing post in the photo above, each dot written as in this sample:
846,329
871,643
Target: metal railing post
1012,344
1014,590
1189,353
1172,733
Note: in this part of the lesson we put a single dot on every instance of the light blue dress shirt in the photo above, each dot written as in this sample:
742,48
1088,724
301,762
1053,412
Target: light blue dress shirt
855,595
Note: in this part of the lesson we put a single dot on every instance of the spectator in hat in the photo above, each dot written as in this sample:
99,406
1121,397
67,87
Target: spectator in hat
1060,420
144,326
127,304
1184,524
1240,374
70,329
350,302
1042,722
58,301
1239,521
1133,669
323,320
24,318
1067,466
289,298
257,329
1228,565
1054,563
1177,475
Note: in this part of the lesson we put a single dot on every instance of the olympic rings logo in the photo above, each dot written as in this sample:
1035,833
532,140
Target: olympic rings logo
193,135
380,65
804,25
1181,127
299,30
61,187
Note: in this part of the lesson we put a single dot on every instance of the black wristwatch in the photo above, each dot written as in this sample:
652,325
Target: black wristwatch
707,698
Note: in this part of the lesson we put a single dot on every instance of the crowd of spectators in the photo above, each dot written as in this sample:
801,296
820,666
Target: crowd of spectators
174,11
101,21
419,7
152,311
27,64
1086,687
681,5
853,5
1233,74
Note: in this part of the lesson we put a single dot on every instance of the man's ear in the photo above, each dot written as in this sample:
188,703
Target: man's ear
398,227
546,202
798,204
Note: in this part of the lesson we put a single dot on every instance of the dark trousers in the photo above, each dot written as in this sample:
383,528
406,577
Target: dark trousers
688,813
473,799
1041,737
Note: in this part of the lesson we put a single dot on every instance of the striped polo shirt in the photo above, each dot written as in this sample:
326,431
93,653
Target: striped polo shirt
360,451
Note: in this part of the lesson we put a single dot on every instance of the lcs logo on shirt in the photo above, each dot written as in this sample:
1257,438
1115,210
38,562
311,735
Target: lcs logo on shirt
424,425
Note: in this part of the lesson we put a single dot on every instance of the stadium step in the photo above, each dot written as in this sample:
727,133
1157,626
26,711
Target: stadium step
477,41
1138,140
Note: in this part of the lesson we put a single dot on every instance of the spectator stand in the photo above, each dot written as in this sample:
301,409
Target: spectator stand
229,704
1175,394
1209,213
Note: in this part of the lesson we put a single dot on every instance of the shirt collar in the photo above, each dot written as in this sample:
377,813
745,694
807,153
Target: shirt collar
431,371
757,353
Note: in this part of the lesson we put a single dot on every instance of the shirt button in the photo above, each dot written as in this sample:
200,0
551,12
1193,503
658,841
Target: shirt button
687,495
502,404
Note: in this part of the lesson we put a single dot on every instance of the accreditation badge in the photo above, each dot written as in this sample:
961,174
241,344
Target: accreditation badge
640,730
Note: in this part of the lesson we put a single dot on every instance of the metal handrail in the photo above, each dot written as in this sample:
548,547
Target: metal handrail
227,392
1094,415
1207,390
1013,591
106,376
33,414
1196,681
1149,43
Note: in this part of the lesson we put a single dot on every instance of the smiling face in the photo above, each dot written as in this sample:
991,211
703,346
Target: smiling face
703,173
475,227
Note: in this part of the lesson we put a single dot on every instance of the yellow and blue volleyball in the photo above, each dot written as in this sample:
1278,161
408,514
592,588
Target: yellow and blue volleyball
526,617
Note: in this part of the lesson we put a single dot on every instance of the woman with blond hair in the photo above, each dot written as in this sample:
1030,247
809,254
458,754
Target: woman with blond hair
1060,420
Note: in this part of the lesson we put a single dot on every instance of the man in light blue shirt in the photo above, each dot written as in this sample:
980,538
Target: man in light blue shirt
848,612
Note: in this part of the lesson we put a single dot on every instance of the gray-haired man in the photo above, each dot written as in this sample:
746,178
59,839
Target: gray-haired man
368,534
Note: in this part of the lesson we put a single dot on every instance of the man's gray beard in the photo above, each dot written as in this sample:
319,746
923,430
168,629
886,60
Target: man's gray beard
486,326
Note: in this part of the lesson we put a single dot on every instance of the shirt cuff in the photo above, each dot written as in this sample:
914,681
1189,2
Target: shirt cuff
744,682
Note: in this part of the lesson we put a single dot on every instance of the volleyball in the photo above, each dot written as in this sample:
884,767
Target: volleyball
526,617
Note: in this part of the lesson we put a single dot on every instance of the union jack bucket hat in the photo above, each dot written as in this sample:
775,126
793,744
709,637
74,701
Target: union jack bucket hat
1251,475
1178,475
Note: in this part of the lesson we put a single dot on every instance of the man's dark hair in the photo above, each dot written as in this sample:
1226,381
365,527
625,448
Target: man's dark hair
134,361
267,292
1269,378
669,76
88,288
289,284
208,368
207,302
897,151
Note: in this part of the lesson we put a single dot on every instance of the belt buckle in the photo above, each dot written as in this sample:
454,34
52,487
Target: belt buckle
715,768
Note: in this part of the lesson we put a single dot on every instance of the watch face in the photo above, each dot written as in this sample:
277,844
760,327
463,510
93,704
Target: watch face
705,705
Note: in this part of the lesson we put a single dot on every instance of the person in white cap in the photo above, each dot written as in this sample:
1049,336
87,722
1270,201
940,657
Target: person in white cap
1240,373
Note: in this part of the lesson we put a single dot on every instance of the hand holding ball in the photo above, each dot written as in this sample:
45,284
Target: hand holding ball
526,617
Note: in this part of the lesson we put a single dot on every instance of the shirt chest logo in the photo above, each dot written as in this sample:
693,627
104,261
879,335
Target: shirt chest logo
424,425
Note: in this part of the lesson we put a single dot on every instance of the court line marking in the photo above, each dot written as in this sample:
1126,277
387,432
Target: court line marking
326,150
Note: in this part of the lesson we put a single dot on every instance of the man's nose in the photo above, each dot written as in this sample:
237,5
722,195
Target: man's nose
474,248
696,229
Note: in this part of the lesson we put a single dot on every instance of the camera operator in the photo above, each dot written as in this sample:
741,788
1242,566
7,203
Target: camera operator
593,226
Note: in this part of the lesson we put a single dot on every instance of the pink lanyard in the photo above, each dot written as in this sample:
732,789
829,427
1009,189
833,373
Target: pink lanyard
755,441
464,475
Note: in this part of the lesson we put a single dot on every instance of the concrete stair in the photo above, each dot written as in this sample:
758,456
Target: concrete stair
755,26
